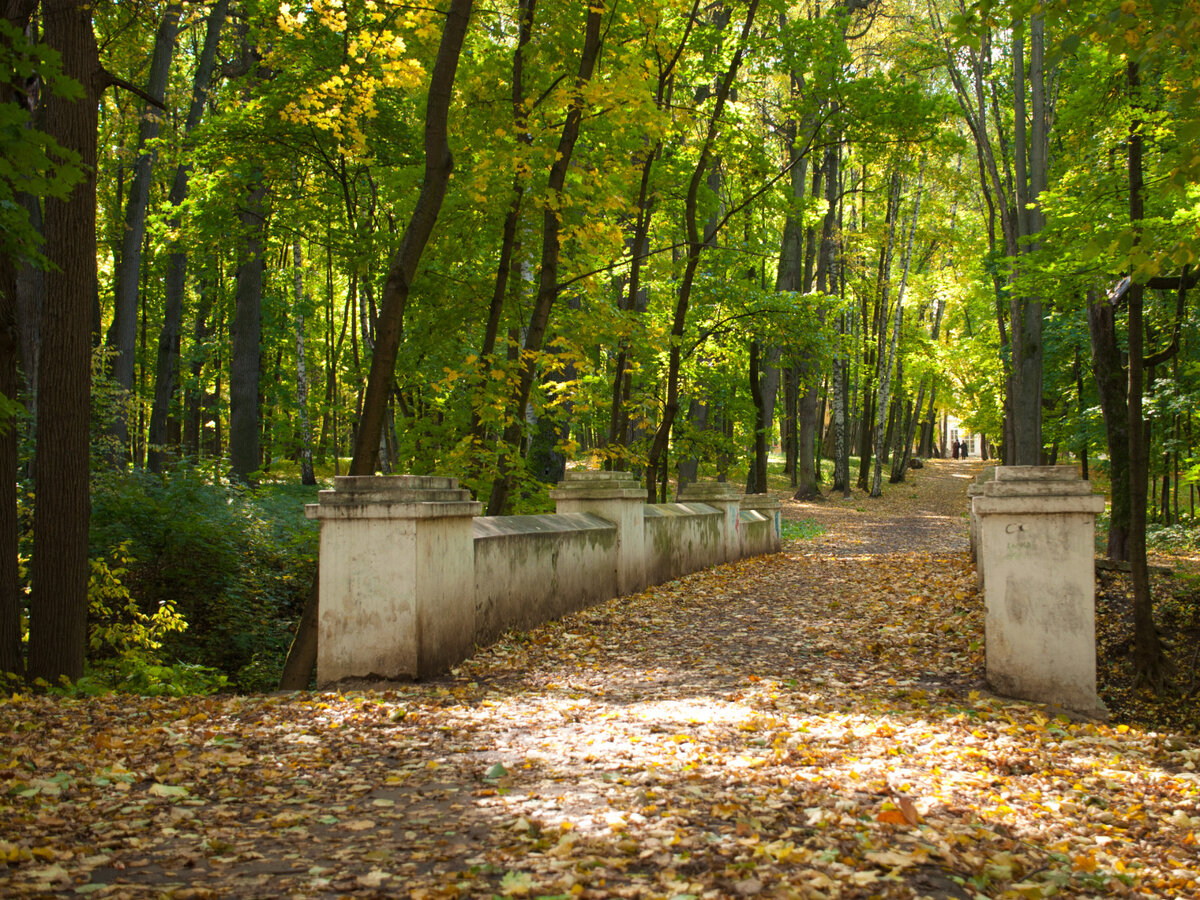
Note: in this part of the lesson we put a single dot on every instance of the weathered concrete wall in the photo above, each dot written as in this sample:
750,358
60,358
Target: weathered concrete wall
759,525
412,579
680,539
531,569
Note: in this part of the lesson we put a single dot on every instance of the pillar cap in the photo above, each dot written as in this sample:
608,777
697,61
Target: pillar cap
394,497
585,485
760,501
708,491
1037,473
1038,504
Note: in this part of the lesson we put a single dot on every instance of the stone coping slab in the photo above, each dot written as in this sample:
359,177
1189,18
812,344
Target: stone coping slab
673,510
508,526
1036,489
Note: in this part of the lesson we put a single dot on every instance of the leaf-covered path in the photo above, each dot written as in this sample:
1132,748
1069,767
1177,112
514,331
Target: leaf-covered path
811,724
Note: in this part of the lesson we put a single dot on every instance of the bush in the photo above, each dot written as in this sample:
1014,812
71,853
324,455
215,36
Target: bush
233,564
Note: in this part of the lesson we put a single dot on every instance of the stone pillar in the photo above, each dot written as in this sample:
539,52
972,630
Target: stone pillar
397,577
723,496
773,510
618,498
1036,548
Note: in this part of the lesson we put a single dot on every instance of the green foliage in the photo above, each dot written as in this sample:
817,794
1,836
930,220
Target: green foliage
117,626
31,162
234,563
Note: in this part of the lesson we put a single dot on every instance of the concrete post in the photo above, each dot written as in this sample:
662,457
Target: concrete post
618,498
1036,548
725,497
773,510
397,577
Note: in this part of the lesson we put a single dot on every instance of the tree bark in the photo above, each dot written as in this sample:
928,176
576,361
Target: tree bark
123,332
876,483
1150,662
245,412
1112,384
58,603
307,476
167,364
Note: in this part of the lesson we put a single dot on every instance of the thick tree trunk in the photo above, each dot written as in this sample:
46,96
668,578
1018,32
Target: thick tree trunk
1149,660
1108,368
123,332
245,413
58,602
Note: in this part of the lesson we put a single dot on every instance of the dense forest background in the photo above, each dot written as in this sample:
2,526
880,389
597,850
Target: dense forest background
249,245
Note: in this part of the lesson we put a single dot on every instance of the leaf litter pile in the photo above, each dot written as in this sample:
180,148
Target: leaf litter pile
812,724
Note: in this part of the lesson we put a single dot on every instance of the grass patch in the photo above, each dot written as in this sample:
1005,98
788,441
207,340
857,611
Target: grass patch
800,529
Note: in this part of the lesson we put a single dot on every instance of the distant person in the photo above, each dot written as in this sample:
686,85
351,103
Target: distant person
966,449
954,444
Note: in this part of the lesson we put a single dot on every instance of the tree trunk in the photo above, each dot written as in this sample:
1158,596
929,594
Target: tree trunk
58,603
688,469
695,246
245,413
791,424
876,484
763,395
1112,386
509,267
307,476
123,332
1149,660
167,368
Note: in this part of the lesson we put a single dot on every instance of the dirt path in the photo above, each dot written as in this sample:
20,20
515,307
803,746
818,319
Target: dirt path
807,724
926,513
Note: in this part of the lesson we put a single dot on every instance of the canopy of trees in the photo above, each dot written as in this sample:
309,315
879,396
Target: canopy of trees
248,239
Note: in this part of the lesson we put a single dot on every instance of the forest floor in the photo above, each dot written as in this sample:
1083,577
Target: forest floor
809,724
